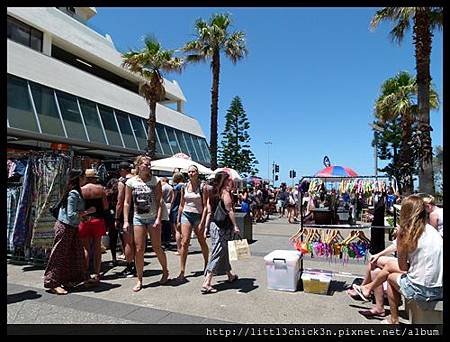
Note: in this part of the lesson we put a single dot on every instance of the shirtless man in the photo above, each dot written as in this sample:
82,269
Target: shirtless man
93,227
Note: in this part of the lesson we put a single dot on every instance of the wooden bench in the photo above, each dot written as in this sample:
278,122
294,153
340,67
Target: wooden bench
424,312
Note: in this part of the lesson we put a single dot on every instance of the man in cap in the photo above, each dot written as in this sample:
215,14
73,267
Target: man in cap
128,238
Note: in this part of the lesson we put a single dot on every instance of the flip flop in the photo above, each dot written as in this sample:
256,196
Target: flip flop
233,279
58,291
369,313
206,290
358,290
164,279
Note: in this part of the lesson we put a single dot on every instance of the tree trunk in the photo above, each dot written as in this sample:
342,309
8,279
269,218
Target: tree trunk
214,108
422,41
406,156
151,147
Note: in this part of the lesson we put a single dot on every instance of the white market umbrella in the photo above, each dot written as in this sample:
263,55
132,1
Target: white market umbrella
178,162
231,172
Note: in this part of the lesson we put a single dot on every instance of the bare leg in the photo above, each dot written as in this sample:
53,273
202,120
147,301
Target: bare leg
160,254
86,247
97,246
129,245
378,293
186,231
393,291
204,246
140,233
178,237
390,267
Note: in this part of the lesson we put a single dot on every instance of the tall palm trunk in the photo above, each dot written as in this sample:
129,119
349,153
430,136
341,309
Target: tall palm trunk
406,155
422,42
151,147
214,108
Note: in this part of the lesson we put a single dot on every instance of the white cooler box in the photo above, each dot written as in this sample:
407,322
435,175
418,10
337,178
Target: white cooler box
283,270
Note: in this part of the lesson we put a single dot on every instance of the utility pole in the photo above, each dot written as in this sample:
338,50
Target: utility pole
268,143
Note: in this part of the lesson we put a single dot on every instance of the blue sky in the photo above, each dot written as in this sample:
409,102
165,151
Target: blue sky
308,84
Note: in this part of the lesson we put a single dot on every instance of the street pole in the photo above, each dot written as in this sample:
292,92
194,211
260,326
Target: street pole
268,143
273,174
376,155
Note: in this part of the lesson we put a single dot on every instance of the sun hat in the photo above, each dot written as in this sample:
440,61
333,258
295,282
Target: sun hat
91,173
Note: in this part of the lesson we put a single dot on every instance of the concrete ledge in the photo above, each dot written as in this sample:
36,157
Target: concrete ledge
424,312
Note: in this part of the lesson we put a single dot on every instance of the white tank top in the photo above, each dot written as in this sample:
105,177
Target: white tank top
426,262
192,200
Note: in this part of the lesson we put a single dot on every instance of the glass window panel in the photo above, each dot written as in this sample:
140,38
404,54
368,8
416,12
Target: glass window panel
125,128
71,115
183,146
18,32
19,110
139,132
173,140
158,145
190,146
93,125
109,123
44,102
205,150
36,40
198,148
163,139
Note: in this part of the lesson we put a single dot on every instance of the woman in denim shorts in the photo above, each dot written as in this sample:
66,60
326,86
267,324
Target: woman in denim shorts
145,191
418,272
192,216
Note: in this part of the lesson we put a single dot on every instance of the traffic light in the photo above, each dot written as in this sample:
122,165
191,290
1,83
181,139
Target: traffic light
276,177
294,174
277,168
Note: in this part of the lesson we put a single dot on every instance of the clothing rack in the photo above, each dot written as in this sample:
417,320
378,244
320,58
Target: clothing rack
357,227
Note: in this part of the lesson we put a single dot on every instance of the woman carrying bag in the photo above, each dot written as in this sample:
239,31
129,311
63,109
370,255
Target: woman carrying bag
223,227
65,266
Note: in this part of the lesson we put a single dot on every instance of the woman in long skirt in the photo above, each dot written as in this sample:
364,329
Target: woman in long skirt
219,263
65,265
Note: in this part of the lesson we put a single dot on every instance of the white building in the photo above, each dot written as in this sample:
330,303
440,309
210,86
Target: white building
66,86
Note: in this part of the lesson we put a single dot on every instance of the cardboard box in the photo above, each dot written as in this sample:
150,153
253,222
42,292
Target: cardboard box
283,270
316,281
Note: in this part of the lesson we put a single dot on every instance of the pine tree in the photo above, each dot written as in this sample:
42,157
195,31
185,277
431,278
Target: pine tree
235,149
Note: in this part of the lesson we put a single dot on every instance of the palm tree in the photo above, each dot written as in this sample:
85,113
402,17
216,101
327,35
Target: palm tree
398,99
425,20
148,63
211,39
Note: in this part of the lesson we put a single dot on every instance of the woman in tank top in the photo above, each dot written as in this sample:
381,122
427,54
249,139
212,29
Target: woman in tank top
192,216
418,272
144,191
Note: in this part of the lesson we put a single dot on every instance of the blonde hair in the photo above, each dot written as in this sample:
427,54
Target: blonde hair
139,160
413,218
428,199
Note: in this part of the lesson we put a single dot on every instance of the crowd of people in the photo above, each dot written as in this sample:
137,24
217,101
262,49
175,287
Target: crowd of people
136,208
139,207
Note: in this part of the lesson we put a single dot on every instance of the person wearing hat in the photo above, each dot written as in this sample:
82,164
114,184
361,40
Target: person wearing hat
65,264
93,227
127,234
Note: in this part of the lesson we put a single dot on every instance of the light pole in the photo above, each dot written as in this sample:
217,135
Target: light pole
377,129
268,143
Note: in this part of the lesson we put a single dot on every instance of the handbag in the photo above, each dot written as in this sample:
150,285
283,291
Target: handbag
238,249
54,210
221,218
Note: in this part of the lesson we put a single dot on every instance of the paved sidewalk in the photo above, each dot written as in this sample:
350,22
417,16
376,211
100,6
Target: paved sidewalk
245,301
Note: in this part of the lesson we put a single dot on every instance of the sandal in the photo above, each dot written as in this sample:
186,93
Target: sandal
58,291
370,313
208,289
165,278
137,288
233,279
360,293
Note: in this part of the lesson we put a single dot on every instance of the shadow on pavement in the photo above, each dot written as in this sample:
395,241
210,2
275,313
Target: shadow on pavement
337,286
33,268
244,285
101,287
18,297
